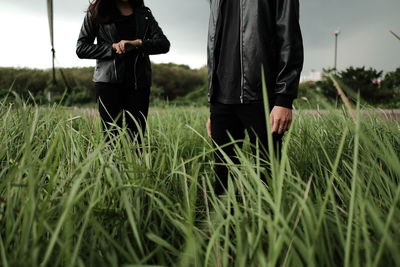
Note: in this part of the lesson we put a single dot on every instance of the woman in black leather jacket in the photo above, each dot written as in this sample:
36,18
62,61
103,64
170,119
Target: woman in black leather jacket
126,34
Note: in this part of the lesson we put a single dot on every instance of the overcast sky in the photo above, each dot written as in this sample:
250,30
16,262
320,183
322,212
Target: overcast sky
364,41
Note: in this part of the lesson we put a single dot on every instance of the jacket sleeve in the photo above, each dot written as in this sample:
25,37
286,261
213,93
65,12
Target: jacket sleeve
155,41
85,47
290,50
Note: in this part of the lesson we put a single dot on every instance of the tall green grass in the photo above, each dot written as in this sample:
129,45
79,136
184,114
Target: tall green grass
68,198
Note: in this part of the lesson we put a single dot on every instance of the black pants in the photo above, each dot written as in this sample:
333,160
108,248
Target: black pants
234,120
114,99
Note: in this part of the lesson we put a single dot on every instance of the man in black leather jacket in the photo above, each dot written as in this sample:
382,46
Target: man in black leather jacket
245,36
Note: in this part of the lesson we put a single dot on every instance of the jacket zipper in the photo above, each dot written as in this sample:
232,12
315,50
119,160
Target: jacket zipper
115,70
137,57
134,71
241,54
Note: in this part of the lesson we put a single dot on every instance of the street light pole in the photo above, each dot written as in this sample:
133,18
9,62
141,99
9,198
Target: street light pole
51,28
336,33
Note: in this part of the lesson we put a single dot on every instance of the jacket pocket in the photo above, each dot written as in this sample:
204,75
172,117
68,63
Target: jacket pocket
105,71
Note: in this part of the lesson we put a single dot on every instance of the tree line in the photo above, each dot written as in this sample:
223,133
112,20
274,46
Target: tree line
185,86
369,86
74,86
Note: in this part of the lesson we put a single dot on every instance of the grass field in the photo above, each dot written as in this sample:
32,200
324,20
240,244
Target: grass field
70,199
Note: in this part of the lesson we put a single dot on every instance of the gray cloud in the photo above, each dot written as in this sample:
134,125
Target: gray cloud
365,38
364,23
184,21
319,17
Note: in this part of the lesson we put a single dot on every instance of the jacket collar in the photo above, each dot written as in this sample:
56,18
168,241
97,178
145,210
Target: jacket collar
142,17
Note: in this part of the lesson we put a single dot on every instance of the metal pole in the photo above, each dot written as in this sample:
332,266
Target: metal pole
50,14
336,34
54,68
336,43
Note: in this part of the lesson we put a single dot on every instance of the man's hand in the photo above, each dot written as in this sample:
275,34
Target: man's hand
280,119
126,45
208,127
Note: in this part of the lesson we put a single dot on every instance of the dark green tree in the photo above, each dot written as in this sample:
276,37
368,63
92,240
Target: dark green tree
177,80
365,82
392,80
326,85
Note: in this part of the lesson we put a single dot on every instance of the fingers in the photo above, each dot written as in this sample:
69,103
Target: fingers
118,50
125,46
283,125
122,46
208,127
116,47
278,126
280,120
274,123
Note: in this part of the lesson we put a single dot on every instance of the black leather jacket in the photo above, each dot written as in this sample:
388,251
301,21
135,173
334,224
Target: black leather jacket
270,37
109,66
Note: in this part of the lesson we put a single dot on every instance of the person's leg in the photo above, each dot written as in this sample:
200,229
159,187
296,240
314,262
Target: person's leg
109,105
137,104
224,123
253,117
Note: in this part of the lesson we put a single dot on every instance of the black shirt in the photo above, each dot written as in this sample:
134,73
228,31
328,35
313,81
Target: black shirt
126,27
227,87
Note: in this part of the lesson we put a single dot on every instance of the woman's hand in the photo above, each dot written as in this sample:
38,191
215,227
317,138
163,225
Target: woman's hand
116,48
137,43
125,46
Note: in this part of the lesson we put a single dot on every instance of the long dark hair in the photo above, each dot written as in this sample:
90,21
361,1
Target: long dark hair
103,11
